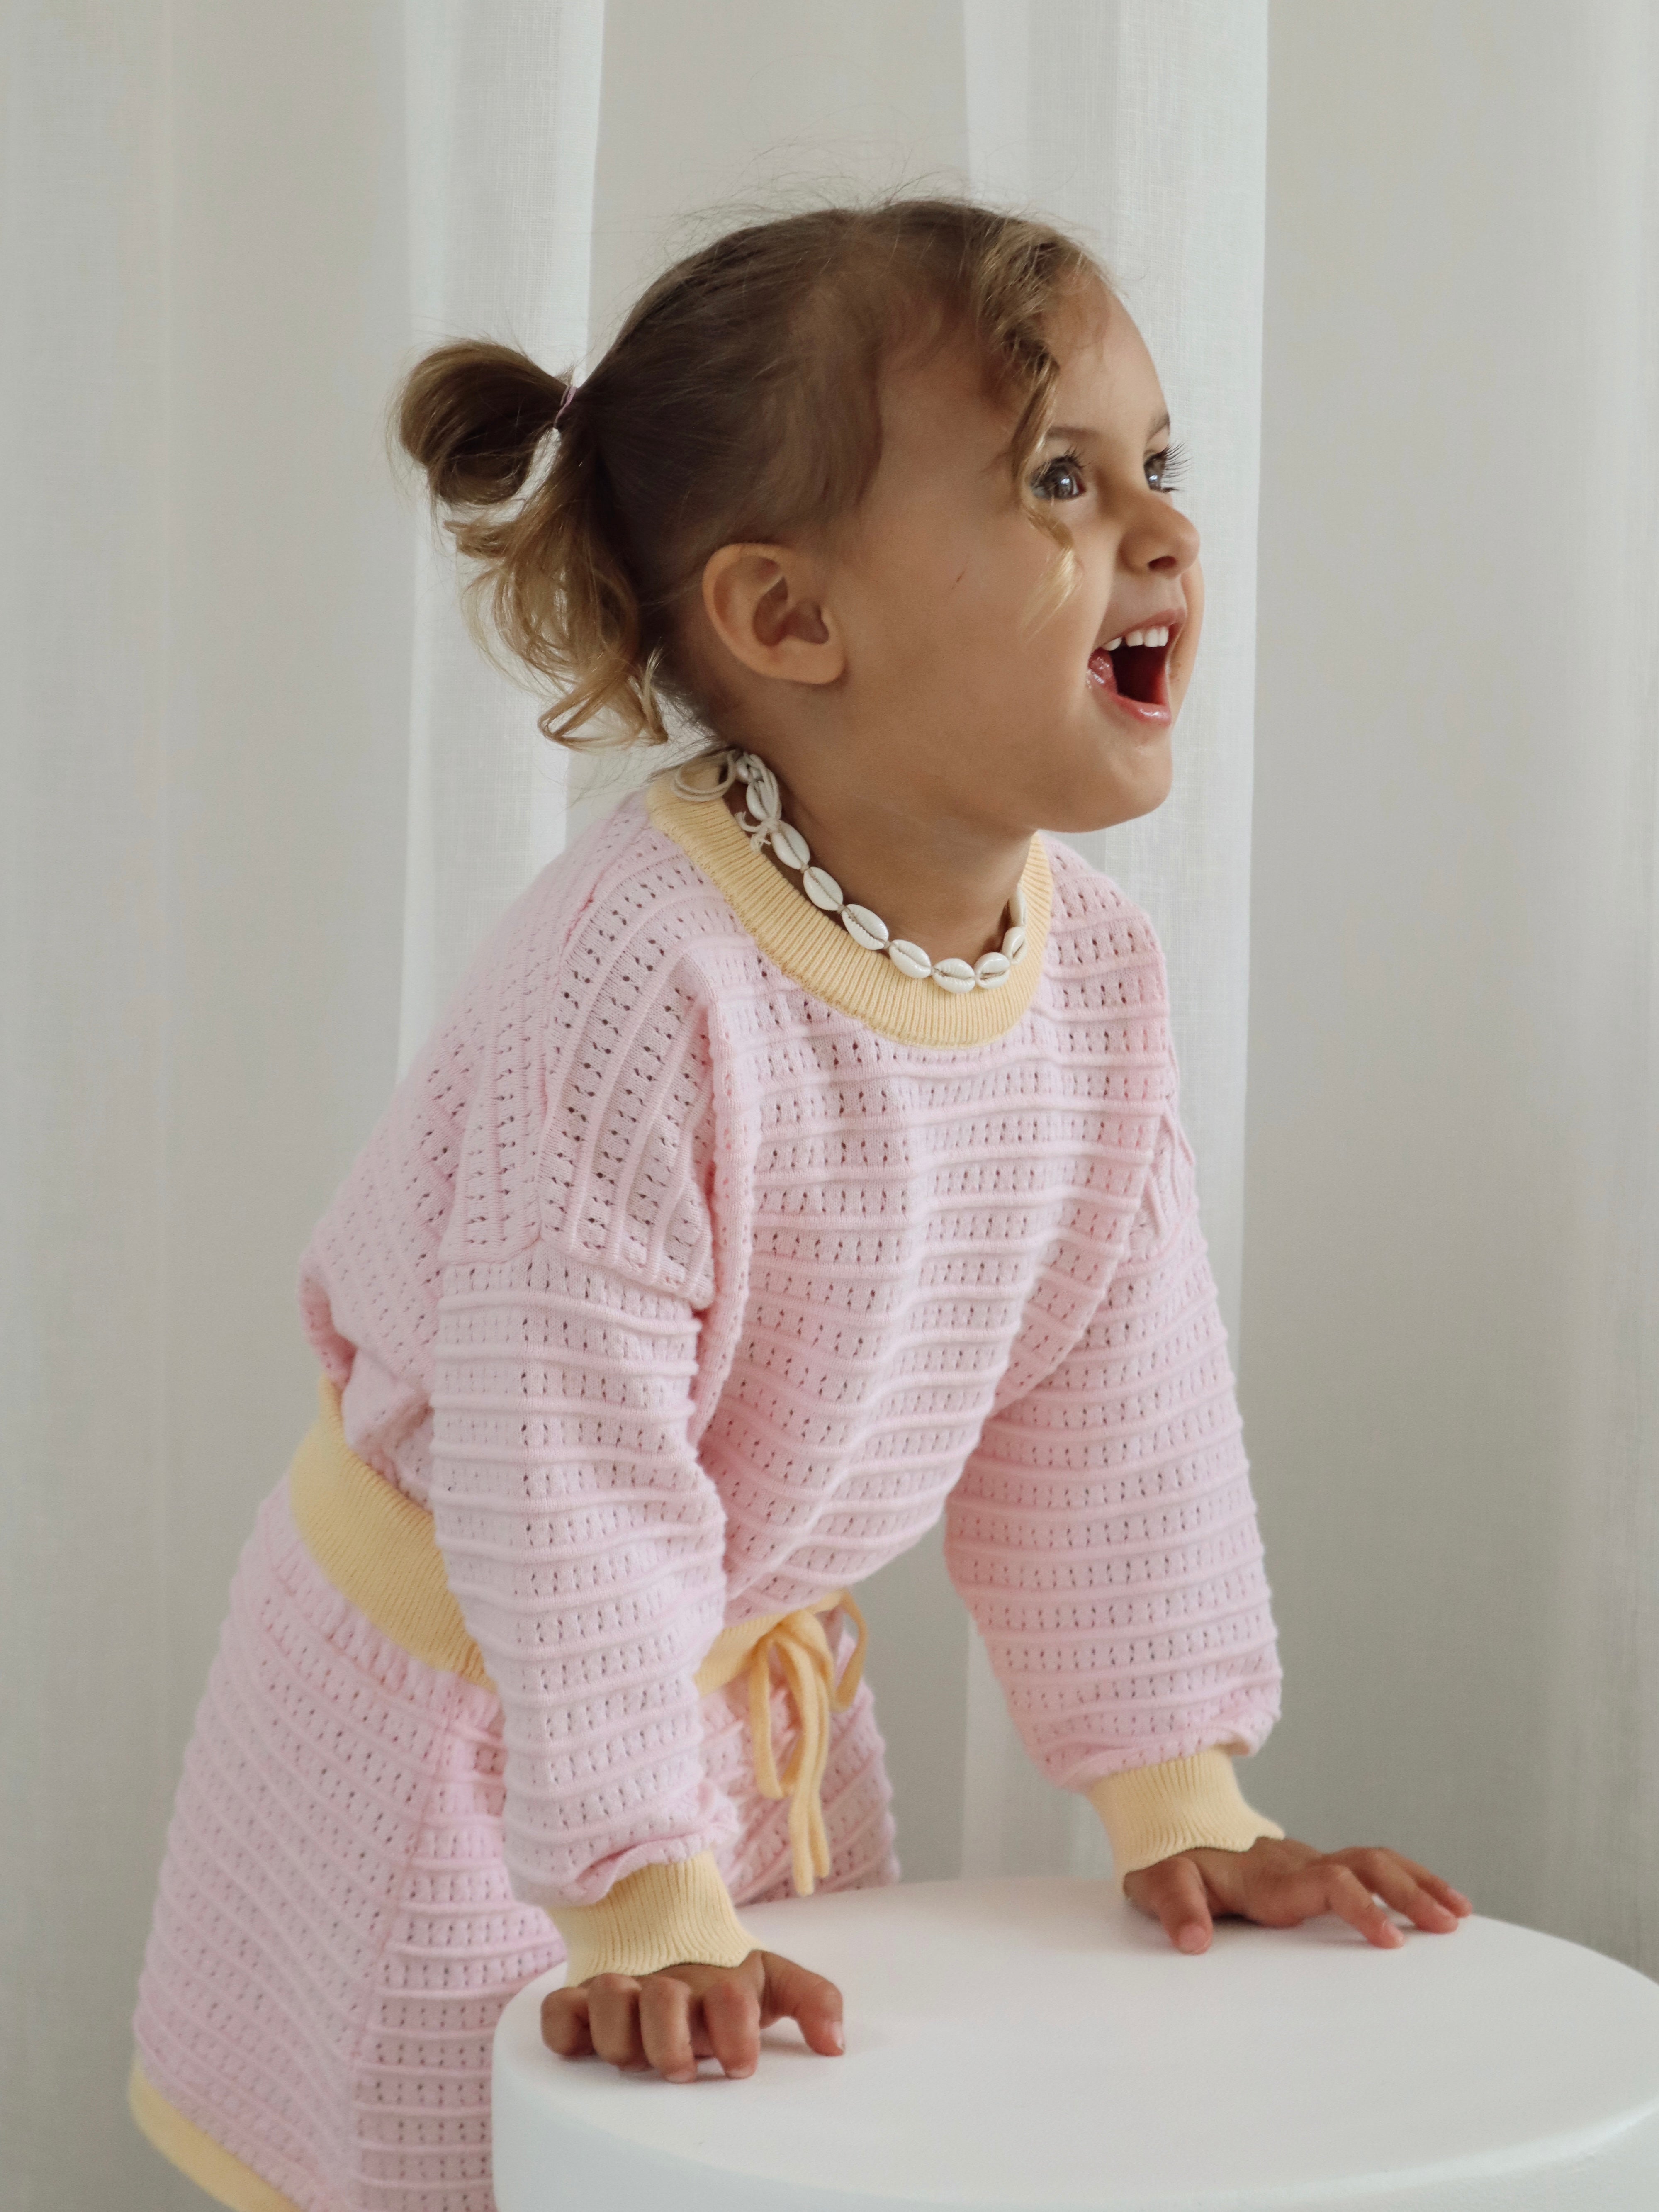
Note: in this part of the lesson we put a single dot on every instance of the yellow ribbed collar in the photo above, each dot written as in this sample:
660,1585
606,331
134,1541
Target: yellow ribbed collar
813,949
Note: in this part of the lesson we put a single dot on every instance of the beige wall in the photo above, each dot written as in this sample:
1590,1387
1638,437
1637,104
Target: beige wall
1433,832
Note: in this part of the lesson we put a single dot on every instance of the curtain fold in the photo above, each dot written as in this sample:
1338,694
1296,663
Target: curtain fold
204,647
1143,126
503,121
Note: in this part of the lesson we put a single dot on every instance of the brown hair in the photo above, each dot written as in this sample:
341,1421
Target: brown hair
738,402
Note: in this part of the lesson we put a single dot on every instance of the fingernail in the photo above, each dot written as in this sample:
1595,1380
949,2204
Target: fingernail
1191,1938
836,2037
738,2073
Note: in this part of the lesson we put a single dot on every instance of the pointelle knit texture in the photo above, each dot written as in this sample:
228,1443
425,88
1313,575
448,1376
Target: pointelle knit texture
695,1269
680,1297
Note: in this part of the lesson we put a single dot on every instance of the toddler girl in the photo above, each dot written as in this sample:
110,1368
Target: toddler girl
799,1161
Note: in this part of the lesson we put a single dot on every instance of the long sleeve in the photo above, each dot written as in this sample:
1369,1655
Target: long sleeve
1103,1537
583,1538
583,1543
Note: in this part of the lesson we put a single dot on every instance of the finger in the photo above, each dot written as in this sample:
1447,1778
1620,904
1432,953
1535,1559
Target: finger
796,1993
1347,1895
665,2026
1388,1876
1453,1899
613,2021
1175,1888
731,2013
564,2023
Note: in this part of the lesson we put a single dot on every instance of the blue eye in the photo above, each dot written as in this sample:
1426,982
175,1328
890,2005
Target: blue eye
1165,470
1060,478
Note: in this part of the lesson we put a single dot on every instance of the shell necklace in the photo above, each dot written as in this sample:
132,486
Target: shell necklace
765,826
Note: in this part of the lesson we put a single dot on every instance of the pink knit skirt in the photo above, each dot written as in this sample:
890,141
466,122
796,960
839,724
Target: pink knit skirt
334,1937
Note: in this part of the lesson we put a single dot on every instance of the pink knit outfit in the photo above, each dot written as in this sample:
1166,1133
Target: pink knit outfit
681,1293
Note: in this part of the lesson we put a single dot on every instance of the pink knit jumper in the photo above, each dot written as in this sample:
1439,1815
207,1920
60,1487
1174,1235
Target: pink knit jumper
699,1264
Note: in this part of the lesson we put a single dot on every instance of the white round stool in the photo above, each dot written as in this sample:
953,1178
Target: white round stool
1024,2044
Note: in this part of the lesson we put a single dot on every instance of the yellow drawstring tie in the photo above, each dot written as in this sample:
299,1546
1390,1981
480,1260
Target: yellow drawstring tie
809,1673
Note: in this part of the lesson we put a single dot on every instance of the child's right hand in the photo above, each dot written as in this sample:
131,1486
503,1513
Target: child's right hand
670,2019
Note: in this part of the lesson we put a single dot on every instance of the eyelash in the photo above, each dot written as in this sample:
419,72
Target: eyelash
1172,467
1174,459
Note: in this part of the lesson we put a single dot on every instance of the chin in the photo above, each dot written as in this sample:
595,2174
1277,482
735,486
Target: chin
1094,801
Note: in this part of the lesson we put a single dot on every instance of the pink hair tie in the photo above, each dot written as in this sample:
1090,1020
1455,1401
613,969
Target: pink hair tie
570,391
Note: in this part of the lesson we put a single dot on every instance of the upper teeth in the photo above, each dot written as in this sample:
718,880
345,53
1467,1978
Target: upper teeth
1138,637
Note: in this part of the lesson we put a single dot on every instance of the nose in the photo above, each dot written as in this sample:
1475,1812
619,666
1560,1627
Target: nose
1159,540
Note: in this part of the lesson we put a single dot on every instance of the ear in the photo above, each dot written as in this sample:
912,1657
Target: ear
767,605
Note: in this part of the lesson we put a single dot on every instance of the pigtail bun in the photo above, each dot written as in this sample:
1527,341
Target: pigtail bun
472,414
549,583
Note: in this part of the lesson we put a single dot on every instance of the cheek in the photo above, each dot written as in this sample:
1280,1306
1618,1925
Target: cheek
952,602
999,611
940,607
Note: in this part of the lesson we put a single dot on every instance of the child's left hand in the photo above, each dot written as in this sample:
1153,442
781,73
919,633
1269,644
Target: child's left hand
1280,1883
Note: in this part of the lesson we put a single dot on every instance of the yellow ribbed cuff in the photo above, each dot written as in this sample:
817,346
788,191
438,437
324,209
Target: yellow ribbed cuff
1181,1805
668,1915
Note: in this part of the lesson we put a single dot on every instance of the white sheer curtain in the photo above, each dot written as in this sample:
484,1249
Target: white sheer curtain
503,130
204,650
1143,126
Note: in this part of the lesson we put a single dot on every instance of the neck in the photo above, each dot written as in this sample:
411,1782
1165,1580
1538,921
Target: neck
941,881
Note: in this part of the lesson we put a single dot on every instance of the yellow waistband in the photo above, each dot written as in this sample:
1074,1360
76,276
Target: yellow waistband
377,1546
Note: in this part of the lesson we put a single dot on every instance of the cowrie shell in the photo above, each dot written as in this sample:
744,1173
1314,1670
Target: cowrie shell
765,826
791,847
954,975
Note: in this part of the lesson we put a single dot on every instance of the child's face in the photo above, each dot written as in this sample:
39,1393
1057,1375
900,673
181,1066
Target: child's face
1009,723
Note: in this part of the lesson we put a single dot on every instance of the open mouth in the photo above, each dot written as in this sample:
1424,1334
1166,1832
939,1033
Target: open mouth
1131,670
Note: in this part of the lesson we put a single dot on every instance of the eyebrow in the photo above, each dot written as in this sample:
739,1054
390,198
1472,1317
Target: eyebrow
1082,431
